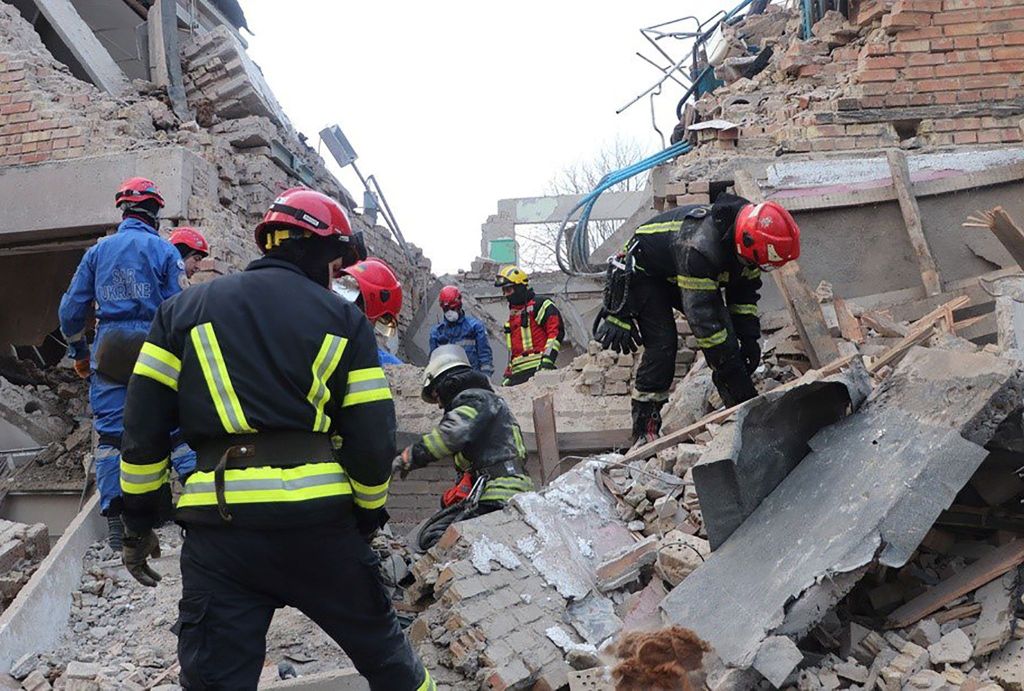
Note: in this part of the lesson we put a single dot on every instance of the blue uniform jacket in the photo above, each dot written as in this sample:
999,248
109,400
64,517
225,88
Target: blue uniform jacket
386,358
471,335
127,275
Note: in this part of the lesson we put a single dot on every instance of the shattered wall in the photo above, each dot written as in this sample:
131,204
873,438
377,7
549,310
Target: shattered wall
48,115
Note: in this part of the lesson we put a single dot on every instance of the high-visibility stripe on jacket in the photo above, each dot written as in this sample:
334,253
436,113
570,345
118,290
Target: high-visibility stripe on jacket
263,351
533,335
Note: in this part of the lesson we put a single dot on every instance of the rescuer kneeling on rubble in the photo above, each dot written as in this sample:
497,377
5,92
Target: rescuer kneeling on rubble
706,262
261,369
479,431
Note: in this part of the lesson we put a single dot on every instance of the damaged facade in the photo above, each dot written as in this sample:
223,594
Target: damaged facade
857,525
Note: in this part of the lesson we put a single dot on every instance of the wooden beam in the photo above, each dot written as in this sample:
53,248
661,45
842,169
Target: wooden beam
912,218
165,55
849,326
83,45
1005,230
546,432
919,331
883,325
988,568
803,305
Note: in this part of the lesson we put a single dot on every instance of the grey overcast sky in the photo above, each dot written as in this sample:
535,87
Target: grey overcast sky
455,105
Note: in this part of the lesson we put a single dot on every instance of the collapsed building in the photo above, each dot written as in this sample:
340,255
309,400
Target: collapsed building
855,526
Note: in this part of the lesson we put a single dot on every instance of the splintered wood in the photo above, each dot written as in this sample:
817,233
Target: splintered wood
1005,230
918,332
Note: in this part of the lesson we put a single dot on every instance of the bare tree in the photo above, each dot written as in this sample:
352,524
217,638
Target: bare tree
537,242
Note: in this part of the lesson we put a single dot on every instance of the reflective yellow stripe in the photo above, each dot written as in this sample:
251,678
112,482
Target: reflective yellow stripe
142,478
723,277
619,323
695,283
461,462
717,338
466,411
215,371
750,272
428,683
158,364
744,309
664,227
370,496
435,444
517,434
540,313
365,386
527,335
323,367
268,485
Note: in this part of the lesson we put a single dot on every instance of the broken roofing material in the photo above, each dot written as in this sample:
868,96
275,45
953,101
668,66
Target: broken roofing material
871,487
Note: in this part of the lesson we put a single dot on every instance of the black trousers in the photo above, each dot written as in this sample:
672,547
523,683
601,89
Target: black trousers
653,302
233,579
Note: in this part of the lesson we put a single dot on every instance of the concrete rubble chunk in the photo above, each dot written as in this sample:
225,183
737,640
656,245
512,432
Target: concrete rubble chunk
955,647
24,665
852,671
82,670
927,680
1007,666
777,658
625,565
679,554
36,682
871,487
739,470
925,632
992,630
911,660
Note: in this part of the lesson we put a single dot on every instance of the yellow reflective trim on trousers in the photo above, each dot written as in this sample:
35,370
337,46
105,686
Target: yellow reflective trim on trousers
466,411
428,683
365,386
664,227
740,308
215,371
268,485
324,364
696,283
750,272
158,364
715,339
142,478
370,496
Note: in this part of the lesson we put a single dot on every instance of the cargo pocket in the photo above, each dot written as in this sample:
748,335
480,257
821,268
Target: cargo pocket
191,632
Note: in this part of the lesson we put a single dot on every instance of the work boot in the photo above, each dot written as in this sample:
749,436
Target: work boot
115,532
646,421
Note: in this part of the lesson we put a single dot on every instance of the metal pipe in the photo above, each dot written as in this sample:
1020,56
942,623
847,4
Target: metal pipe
661,69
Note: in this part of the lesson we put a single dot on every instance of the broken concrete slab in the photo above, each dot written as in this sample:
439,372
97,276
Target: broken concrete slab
748,459
992,630
777,657
871,488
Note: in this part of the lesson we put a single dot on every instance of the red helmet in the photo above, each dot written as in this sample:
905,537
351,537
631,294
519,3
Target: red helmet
379,287
307,210
135,190
450,298
190,237
766,235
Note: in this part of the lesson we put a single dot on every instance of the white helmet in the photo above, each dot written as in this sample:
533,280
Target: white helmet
443,358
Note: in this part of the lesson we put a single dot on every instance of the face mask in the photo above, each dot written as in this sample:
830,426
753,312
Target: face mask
451,316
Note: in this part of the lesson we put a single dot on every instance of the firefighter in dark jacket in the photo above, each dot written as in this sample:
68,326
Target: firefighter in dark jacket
534,330
261,369
478,431
705,261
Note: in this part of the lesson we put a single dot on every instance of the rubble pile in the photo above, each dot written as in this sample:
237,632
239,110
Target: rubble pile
603,372
22,547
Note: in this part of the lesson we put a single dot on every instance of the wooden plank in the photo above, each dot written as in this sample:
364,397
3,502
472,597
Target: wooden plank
919,331
883,325
959,612
165,55
546,432
84,46
849,326
1005,230
912,218
988,568
803,306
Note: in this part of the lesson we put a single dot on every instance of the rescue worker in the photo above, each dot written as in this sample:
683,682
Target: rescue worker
705,261
534,330
260,369
458,328
124,278
192,247
376,290
478,431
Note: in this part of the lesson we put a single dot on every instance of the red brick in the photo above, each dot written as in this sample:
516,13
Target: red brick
28,159
894,21
1013,38
957,69
15,76
1003,66
989,137
995,94
965,137
922,33
879,76
897,100
911,46
1012,134
922,99
925,72
23,117
942,45
945,84
969,97
918,59
15,108
987,80
990,41
1009,53
878,49
885,62
957,16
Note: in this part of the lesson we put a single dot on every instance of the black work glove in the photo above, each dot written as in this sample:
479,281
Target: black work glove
751,352
617,334
136,550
